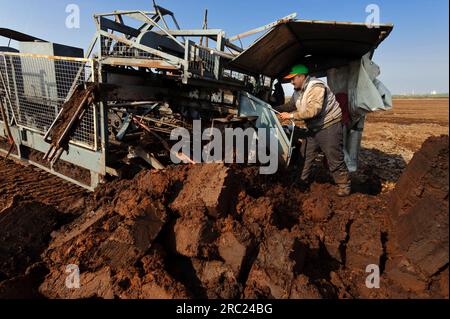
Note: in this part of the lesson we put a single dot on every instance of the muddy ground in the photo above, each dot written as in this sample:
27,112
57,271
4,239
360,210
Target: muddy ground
211,231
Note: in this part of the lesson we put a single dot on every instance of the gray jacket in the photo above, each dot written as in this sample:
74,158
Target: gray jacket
315,104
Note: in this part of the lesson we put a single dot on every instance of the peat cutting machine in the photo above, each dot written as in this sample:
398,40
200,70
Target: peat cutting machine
106,111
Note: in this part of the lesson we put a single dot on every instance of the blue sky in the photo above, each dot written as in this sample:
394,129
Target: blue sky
415,58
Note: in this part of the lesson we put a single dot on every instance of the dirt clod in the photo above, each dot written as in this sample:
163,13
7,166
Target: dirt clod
419,213
208,186
193,235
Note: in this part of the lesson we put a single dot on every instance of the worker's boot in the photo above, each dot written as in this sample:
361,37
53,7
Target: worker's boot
344,190
344,184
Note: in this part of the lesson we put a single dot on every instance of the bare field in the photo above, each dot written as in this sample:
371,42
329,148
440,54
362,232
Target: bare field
410,111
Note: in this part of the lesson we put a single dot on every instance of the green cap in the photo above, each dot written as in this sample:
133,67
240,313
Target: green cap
297,69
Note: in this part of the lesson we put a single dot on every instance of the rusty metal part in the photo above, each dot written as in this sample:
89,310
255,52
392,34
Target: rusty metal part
5,120
57,146
151,64
8,131
183,157
149,158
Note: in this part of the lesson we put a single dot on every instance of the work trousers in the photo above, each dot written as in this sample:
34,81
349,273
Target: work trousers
331,142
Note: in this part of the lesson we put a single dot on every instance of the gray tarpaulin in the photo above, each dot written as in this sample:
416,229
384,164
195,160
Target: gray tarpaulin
366,94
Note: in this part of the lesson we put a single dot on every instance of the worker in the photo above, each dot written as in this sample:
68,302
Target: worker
314,103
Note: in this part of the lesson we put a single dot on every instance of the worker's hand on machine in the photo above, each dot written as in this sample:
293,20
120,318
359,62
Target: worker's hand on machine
286,116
